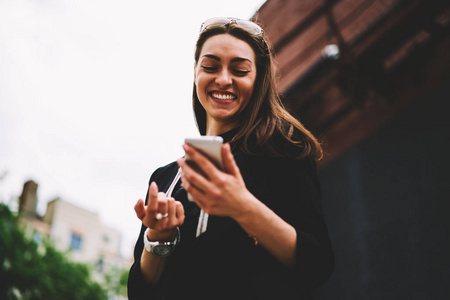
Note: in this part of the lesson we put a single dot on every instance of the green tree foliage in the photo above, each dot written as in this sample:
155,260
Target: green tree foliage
32,271
116,282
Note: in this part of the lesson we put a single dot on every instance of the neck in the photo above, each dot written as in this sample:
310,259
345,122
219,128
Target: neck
217,128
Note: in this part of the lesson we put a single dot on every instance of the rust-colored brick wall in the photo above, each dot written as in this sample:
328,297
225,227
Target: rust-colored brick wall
385,47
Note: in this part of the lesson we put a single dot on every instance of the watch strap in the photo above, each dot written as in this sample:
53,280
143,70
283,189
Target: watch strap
150,244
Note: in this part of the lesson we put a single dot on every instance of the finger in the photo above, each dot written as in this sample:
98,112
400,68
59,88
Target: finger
195,194
190,177
140,209
152,201
228,160
192,182
162,204
179,212
201,160
171,209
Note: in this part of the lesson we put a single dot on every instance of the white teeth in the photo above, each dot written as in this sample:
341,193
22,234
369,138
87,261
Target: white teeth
223,96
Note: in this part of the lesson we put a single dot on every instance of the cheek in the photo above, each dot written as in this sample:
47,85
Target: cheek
199,91
196,75
249,87
199,86
200,80
249,91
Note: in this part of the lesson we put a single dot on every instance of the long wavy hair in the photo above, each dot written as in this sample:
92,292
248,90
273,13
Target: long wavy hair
264,117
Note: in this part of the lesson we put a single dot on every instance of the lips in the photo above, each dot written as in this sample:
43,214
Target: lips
222,96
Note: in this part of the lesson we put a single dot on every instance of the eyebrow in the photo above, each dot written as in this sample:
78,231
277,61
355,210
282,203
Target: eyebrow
236,59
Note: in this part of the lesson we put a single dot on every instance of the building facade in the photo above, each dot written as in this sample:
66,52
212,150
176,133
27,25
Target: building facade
74,230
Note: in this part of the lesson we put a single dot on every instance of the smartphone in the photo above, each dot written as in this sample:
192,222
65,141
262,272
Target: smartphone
210,146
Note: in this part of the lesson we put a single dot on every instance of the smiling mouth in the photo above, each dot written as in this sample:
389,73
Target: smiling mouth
223,96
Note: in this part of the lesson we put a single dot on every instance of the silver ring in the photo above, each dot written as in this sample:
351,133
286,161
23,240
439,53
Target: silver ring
160,216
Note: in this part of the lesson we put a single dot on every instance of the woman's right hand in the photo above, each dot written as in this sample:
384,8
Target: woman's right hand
162,214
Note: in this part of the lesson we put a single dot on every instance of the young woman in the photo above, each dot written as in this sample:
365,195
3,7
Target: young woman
255,229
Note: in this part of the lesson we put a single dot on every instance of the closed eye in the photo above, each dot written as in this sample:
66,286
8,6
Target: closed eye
241,72
209,69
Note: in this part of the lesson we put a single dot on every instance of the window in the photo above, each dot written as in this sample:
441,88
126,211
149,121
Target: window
101,265
105,239
76,241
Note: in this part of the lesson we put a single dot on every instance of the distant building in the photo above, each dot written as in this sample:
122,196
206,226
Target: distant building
73,229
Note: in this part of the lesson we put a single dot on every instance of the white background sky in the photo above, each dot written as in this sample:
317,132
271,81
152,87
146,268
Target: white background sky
95,95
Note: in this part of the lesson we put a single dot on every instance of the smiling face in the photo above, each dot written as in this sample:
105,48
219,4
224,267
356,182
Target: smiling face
224,77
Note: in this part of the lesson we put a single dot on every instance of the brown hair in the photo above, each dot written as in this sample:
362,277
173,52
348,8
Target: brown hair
264,115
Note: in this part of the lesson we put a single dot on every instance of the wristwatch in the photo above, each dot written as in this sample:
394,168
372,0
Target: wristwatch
160,249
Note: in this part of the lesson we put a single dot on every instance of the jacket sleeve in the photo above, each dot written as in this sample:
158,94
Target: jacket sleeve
291,189
138,289
314,254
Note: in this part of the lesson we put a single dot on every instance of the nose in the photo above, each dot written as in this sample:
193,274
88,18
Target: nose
224,78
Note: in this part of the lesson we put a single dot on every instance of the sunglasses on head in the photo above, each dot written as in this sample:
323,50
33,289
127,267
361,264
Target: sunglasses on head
247,25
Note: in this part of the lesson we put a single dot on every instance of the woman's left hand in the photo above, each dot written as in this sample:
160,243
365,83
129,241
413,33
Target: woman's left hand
224,192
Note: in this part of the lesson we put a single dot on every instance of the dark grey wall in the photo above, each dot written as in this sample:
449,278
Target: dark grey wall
386,202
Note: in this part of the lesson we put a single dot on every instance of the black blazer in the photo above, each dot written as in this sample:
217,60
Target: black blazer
223,262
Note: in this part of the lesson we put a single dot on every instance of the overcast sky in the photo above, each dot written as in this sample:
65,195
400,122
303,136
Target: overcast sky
95,95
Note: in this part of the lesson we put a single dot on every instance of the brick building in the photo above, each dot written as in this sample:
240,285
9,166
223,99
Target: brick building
371,79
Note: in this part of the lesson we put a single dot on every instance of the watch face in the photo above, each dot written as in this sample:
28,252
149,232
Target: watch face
161,250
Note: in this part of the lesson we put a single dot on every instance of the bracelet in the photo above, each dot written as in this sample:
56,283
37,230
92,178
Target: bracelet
254,240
